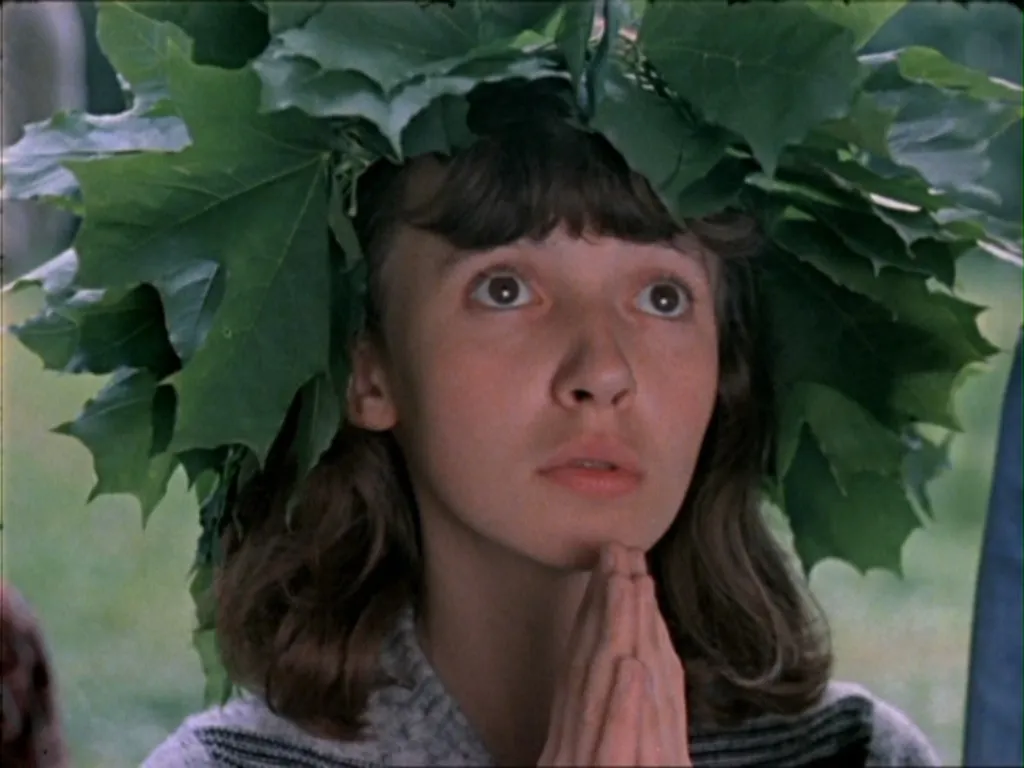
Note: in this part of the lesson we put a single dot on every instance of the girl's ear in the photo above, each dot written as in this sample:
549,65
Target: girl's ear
371,403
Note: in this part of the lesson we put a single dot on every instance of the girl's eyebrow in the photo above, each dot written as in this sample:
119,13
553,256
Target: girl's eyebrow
453,257
696,255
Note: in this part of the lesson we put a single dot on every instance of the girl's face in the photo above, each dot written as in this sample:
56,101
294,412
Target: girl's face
504,363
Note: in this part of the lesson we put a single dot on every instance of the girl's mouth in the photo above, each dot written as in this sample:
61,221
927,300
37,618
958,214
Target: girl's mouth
594,479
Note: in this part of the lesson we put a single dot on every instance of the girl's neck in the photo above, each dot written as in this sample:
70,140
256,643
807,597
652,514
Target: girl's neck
494,626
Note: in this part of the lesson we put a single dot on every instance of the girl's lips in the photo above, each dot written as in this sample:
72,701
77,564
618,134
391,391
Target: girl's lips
595,483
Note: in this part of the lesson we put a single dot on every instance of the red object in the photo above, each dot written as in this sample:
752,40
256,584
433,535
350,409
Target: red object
30,734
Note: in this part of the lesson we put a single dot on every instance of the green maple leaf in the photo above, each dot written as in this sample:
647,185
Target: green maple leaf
863,17
117,428
600,64
865,126
138,47
854,177
940,134
55,276
250,195
396,42
655,139
89,332
881,245
349,290
911,226
866,526
854,342
291,15
51,336
849,437
34,168
442,127
291,80
720,188
925,459
950,322
928,396
218,685
202,463
982,228
927,65
769,72
926,124
191,295
956,158
793,187
319,419
225,33
573,36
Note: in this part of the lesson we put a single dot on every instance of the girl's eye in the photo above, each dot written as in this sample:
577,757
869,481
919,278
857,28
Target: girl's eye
666,297
501,290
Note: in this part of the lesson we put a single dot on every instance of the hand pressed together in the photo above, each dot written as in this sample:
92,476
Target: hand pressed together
621,698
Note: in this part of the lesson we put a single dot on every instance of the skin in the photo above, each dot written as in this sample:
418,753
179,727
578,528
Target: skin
480,395
621,699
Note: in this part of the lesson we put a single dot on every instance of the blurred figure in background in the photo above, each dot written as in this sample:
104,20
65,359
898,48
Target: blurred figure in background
995,711
30,732
43,70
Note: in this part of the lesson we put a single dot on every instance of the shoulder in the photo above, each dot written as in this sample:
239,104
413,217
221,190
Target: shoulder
894,738
848,726
244,733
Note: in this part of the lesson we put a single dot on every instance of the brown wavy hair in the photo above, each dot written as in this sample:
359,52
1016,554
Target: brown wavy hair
303,606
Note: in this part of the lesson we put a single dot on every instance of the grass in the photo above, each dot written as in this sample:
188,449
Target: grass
115,607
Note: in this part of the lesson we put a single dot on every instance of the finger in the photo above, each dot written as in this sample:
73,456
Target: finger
661,666
618,640
582,645
651,749
673,682
620,557
637,562
620,732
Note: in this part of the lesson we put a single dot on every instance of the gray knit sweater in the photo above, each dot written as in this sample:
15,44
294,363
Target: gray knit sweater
419,724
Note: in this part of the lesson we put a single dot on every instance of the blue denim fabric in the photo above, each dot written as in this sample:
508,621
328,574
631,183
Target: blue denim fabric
994,708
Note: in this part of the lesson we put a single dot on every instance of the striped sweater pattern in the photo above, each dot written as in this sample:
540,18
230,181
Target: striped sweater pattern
415,722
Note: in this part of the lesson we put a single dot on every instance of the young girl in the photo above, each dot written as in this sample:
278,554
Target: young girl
538,537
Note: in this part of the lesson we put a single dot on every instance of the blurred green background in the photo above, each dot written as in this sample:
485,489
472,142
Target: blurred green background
114,602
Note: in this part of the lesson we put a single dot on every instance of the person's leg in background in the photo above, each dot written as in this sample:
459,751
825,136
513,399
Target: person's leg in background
993,730
43,71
